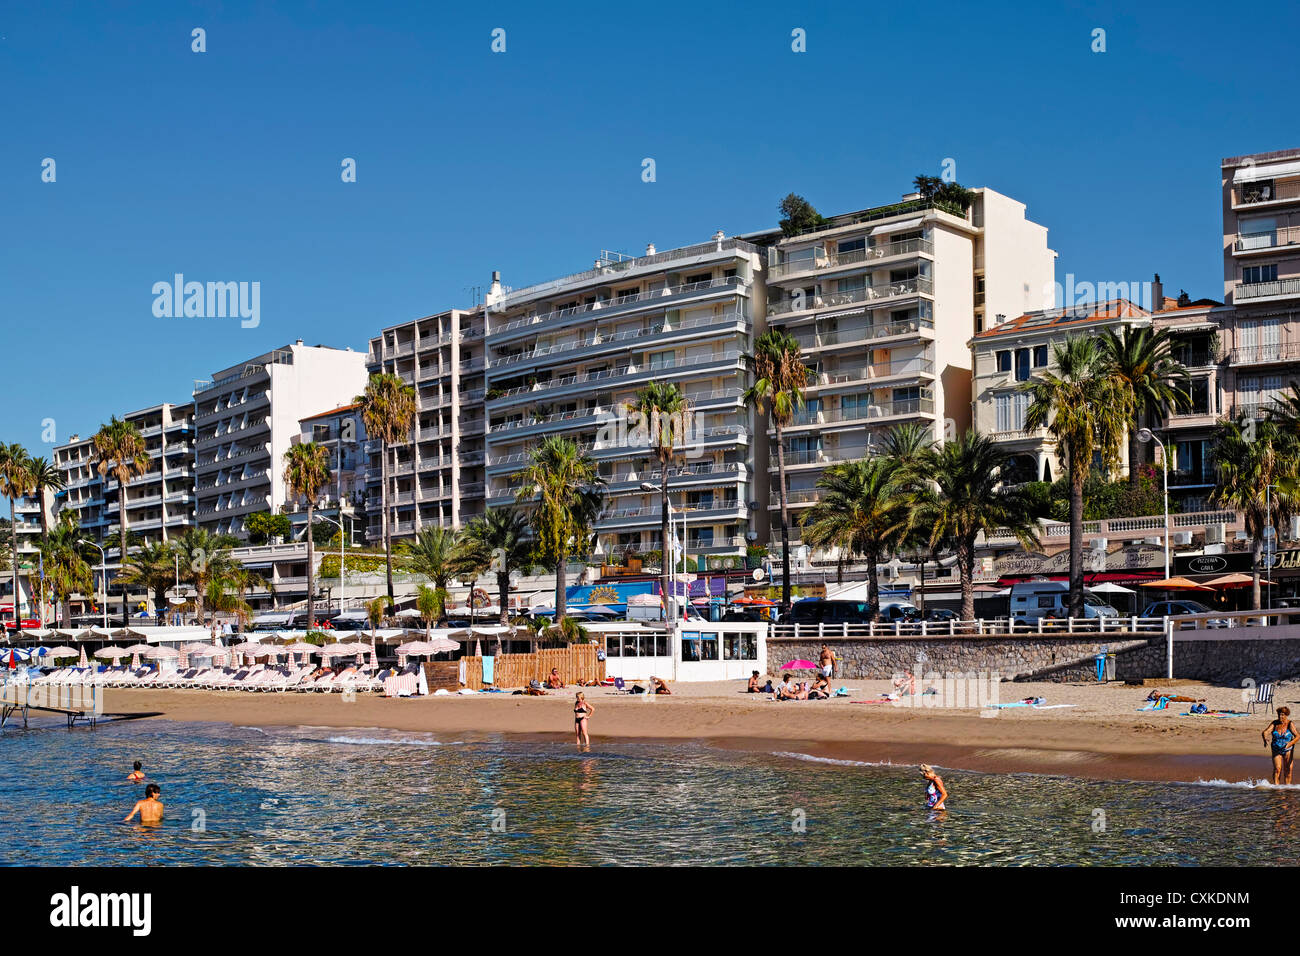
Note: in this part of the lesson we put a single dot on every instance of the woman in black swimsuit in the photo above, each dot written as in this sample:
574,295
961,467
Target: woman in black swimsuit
581,711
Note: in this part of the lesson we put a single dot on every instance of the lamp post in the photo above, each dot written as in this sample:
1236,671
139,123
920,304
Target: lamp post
1270,542
1147,435
103,573
343,538
670,564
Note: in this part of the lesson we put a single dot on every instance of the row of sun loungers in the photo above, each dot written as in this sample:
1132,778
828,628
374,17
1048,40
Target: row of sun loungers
258,678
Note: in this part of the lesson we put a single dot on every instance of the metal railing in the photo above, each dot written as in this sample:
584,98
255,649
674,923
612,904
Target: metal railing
830,300
1266,354
983,627
1261,290
622,301
841,260
627,335
1271,239
915,406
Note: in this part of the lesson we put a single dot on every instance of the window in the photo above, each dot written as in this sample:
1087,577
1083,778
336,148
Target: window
320,432
1004,361
1011,409
1022,365
700,538
699,277
1040,356
1250,275
666,359
699,646
852,284
855,406
739,647
847,246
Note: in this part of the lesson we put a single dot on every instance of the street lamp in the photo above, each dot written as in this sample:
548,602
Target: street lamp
343,538
103,573
1145,435
670,568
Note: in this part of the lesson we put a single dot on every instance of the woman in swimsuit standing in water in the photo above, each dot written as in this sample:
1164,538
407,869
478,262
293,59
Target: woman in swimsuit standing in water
935,793
581,711
1281,744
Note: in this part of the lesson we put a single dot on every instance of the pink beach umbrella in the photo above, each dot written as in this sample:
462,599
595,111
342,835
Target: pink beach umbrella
83,661
798,665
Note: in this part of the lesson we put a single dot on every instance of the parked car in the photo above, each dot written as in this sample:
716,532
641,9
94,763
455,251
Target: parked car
818,611
1174,608
899,611
1031,600
941,614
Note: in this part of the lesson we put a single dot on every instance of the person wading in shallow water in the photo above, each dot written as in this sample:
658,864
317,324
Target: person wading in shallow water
1281,744
136,775
150,808
581,711
935,793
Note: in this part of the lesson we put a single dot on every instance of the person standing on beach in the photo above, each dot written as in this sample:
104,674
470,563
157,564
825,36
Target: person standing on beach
935,792
1281,745
581,712
136,775
150,808
827,661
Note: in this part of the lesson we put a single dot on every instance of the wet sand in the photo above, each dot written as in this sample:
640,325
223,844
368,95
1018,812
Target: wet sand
1101,736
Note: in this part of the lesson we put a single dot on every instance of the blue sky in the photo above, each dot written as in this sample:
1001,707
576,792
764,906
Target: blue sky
225,165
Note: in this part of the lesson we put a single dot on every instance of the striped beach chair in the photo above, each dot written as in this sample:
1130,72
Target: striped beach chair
1263,697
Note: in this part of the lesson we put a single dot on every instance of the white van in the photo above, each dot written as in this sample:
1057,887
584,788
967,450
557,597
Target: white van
1031,600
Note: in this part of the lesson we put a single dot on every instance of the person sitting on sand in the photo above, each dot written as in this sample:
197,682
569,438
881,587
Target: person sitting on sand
821,689
553,679
906,683
935,793
136,775
150,808
753,684
785,690
657,686
1282,745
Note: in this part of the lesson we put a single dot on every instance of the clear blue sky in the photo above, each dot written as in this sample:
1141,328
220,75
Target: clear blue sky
225,165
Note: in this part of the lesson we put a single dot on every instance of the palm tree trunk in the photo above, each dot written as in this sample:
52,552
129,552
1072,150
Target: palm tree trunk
503,594
1134,452
13,547
873,584
121,558
1076,543
388,538
1256,552
966,570
920,590
785,523
311,572
666,571
560,586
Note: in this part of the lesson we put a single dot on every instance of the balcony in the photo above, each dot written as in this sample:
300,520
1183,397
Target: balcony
1266,193
867,333
1267,291
1266,354
847,260
831,300
616,377
872,373
877,410
1251,242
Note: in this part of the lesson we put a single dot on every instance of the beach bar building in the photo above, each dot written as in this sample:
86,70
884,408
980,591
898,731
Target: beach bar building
689,651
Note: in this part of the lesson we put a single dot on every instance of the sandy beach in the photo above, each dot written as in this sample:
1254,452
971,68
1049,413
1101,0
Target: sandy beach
1102,735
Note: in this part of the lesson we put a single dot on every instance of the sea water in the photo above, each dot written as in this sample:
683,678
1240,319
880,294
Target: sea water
267,796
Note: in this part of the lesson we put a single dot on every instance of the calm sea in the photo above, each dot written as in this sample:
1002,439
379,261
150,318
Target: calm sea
318,795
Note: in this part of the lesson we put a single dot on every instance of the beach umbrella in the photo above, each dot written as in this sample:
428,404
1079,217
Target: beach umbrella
1176,584
83,661
410,612
798,665
113,653
1234,580
162,652
63,651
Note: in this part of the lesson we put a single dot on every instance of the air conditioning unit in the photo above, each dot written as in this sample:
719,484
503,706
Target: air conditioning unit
1181,537
1215,533
1157,541
1098,544
1295,528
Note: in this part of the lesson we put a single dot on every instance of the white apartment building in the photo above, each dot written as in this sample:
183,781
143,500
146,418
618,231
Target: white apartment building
884,302
248,414
567,355
437,478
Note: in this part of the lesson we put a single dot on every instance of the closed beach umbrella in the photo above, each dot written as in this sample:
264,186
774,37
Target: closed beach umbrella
83,655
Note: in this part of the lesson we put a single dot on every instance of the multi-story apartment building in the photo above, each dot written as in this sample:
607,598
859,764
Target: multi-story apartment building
883,302
247,415
565,357
1261,278
436,479
159,502
27,530
343,433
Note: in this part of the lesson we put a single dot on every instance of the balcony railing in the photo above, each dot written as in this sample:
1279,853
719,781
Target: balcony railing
1248,194
831,300
1255,241
865,333
622,301
610,374
830,416
610,338
1265,290
917,366
848,259
1266,354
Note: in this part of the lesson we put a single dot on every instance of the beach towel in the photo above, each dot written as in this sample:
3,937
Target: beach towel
1161,704
487,670
1213,713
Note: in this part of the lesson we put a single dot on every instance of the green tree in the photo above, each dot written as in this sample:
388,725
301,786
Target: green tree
204,557
45,477
1086,408
264,526
431,603
388,412
798,215
306,472
663,411
968,497
501,538
67,567
120,450
1255,465
779,379
563,491
153,568
1142,359
15,482
864,509
435,553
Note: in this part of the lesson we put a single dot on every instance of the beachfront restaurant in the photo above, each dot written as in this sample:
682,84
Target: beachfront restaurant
689,651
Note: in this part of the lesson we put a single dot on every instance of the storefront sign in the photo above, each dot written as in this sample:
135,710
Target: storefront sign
1131,558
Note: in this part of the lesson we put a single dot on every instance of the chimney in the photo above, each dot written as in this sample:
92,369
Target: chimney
299,342
495,288
1157,294
650,249
1183,298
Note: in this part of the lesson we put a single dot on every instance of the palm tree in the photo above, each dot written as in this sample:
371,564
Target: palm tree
501,534
1086,408
969,497
153,568
780,378
222,601
864,510
67,569
306,472
204,556
388,412
1245,467
15,482
429,603
1142,359
565,490
45,477
121,451
661,405
435,553
375,611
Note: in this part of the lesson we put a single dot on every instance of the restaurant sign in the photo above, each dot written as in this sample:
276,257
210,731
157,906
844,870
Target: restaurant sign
1239,561
1131,558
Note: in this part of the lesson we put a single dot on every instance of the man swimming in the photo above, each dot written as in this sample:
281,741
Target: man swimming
150,808
136,775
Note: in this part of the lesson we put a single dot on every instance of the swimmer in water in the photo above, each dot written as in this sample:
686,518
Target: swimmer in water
150,808
935,793
136,775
